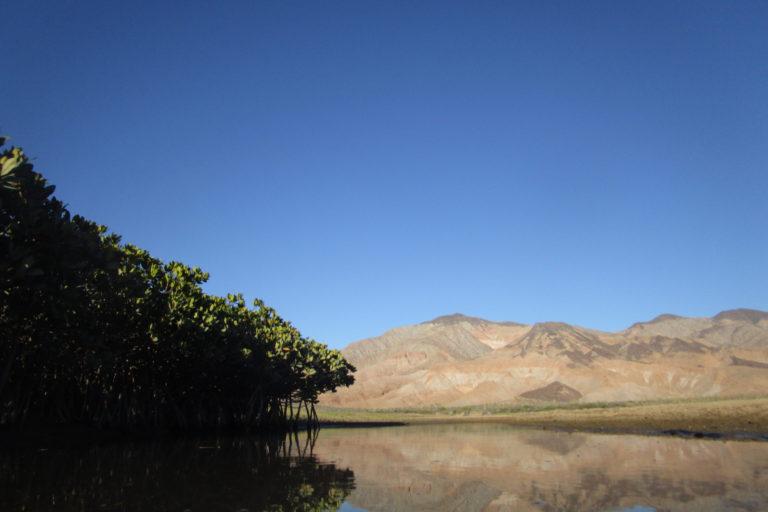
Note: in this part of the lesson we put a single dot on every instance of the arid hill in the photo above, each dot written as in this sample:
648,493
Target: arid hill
459,360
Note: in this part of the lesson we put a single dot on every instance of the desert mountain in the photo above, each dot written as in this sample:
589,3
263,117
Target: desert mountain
460,360
734,328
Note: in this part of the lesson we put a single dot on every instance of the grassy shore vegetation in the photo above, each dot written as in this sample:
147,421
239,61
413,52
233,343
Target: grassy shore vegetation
100,333
733,415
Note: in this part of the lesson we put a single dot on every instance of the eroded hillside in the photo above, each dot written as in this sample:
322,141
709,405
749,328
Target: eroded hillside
458,360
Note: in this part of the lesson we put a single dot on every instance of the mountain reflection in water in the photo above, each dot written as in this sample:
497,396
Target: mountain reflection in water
441,468
498,468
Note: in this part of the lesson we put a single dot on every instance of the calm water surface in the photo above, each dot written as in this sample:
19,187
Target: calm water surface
440,468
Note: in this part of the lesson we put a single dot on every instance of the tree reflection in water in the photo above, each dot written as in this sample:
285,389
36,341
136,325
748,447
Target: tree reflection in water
219,474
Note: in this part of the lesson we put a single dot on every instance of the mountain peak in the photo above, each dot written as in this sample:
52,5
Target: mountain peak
551,327
655,320
456,318
743,315
664,316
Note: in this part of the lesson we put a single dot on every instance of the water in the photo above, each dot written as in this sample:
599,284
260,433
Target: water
441,468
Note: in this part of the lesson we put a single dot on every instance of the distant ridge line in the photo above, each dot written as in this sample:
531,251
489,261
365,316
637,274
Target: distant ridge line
739,314
457,360
459,317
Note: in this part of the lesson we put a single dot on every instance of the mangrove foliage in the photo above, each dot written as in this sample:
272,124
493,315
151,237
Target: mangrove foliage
97,332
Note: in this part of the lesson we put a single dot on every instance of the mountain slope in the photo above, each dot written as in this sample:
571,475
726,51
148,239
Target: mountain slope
462,360
733,328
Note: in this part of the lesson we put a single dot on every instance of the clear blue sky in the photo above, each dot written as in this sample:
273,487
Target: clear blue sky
361,165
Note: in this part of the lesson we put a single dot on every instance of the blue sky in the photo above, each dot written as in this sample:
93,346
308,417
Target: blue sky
361,165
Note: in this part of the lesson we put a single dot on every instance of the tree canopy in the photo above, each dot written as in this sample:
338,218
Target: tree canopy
99,332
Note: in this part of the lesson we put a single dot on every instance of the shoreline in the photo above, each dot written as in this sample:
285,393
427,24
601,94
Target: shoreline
744,418
721,418
681,433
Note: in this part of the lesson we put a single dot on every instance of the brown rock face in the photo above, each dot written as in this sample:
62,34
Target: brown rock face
555,392
459,360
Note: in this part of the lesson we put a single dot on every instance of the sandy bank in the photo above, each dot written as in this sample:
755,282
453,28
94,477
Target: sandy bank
742,417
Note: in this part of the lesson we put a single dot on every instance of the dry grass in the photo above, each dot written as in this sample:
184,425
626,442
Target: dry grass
745,415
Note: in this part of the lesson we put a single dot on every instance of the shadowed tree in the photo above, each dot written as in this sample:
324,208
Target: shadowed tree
101,333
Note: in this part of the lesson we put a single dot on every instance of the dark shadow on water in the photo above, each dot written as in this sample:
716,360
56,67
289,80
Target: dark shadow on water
489,467
201,474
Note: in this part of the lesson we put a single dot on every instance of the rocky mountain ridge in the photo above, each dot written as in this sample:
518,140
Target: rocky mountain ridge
461,360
